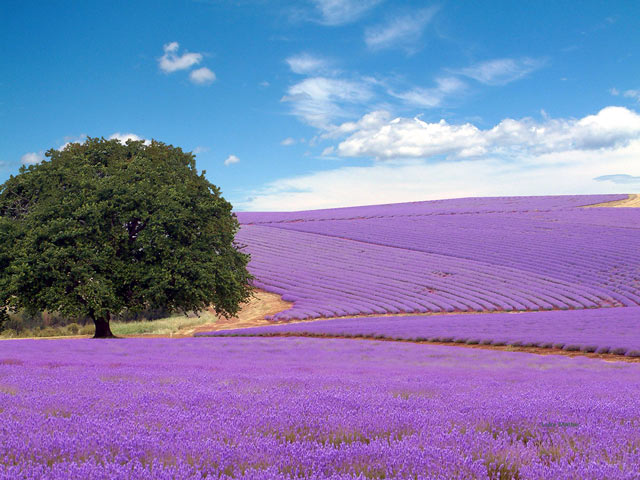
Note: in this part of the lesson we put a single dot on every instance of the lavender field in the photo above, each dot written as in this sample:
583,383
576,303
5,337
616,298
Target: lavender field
604,330
536,271
483,254
310,408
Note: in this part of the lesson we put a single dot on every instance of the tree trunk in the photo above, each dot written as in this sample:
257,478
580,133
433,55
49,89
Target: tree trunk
102,328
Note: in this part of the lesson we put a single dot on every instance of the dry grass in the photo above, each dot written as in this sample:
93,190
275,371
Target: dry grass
163,326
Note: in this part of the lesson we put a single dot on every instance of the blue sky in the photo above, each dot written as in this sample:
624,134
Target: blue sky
324,103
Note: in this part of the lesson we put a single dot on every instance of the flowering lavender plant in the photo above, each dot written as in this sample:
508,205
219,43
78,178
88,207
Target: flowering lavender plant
482,254
616,329
284,408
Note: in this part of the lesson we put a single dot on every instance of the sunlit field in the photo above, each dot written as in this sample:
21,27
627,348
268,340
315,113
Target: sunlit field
311,408
531,274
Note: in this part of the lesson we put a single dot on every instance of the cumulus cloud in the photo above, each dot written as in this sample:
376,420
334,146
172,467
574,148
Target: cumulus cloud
379,136
121,137
402,31
341,12
516,157
411,181
202,76
32,158
288,141
307,64
623,179
172,62
502,70
230,160
320,100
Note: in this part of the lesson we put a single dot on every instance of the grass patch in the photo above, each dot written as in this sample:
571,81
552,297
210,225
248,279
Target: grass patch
163,326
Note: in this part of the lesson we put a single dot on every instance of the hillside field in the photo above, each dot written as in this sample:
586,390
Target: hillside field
547,273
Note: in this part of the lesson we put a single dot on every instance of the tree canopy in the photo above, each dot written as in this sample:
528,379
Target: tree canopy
104,227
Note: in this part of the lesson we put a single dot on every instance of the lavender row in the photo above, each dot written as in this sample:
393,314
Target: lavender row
434,207
605,330
327,276
602,258
311,409
483,254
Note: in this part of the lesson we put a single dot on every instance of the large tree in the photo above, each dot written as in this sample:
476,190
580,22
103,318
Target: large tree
104,227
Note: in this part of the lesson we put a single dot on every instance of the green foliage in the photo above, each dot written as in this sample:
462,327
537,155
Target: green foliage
103,228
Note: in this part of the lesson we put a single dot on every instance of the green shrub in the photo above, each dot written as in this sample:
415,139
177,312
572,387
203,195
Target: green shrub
73,328
86,330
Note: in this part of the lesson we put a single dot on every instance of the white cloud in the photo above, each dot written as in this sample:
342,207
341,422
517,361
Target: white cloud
200,149
230,160
502,70
368,121
288,141
635,94
516,157
32,158
69,140
202,76
620,178
172,62
307,64
403,31
123,137
377,135
431,97
341,12
319,100
557,174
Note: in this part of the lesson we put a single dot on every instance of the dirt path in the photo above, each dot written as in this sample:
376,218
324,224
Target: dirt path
252,315
632,202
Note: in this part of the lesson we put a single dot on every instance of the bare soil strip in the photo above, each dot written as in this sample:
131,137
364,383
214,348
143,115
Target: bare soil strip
253,314
632,202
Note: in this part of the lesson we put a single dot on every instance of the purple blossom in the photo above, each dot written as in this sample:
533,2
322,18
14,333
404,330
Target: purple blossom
309,408
482,254
615,329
